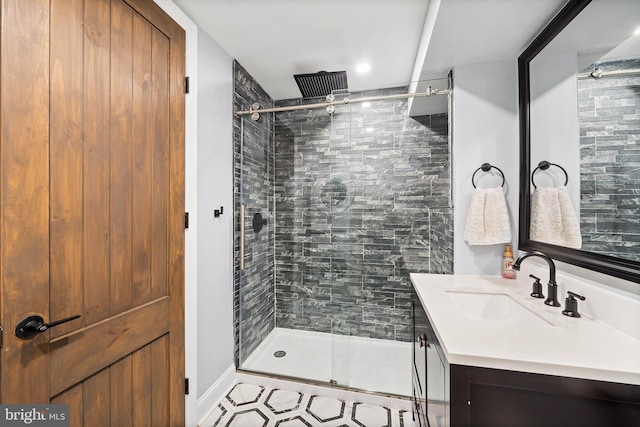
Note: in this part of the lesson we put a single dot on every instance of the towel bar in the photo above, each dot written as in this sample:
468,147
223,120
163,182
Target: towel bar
544,165
486,167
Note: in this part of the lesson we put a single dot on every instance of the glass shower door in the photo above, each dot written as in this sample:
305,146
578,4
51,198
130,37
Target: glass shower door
338,193
294,180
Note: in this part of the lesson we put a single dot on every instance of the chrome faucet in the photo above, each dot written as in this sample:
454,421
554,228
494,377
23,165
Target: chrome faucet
552,287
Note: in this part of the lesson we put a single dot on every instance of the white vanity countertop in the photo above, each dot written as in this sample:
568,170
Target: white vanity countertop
571,347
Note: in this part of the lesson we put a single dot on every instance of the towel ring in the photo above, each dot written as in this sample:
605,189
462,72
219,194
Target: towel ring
486,167
544,165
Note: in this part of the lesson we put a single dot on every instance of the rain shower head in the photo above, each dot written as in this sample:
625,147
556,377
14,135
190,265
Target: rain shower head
321,83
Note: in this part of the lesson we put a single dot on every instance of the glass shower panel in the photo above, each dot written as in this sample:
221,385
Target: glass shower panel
311,183
337,195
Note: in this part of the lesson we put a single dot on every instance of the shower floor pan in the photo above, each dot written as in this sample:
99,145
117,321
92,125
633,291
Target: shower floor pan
361,363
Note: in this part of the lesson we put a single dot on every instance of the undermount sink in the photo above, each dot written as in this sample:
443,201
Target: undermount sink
494,306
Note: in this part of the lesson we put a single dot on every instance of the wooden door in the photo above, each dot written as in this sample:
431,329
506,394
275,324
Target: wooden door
92,208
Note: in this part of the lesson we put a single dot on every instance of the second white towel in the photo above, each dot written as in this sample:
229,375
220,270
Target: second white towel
553,219
488,220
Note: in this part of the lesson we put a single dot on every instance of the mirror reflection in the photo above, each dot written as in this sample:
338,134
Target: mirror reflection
585,128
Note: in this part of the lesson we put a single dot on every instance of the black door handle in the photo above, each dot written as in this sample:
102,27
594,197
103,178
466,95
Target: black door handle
32,325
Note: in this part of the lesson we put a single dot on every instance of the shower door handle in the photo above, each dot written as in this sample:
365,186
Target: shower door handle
241,237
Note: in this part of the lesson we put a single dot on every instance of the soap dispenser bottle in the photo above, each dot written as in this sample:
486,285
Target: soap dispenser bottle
507,262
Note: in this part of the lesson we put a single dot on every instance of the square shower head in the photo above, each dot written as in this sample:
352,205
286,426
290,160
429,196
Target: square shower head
321,83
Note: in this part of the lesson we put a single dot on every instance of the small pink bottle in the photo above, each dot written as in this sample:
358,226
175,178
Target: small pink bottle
507,262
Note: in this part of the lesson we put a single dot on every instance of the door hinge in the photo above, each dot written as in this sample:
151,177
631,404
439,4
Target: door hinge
186,220
1,335
186,84
186,386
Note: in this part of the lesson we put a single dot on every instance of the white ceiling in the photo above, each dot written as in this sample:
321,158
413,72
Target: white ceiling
275,39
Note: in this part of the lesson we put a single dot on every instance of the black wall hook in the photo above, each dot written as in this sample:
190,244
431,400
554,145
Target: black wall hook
218,212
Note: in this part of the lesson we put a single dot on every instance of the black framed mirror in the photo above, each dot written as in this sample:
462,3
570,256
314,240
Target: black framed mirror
587,51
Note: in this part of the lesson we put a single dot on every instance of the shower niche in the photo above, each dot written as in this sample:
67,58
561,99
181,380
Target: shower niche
354,200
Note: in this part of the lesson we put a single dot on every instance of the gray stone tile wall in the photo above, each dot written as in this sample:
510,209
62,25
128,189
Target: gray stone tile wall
254,291
362,199
610,162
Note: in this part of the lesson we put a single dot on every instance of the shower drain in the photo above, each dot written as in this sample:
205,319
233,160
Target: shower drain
280,353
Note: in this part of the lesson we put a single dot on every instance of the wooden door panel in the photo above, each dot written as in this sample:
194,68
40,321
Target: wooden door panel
141,387
95,266
66,152
160,138
121,402
130,392
95,400
163,386
142,160
121,155
140,98
73,398
91,219
74,360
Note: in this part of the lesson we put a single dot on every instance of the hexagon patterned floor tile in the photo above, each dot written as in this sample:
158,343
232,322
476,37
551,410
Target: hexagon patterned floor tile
280,401
249,405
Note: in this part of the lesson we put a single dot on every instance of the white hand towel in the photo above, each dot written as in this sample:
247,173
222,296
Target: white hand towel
553,219
488,218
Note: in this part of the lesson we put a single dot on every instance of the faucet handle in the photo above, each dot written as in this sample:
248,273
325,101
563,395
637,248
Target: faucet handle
537,287
571,305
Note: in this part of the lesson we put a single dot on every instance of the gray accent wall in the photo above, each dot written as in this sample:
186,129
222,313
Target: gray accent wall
610,161
362,199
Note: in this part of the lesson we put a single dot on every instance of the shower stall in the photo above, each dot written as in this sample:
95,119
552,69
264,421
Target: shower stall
334,208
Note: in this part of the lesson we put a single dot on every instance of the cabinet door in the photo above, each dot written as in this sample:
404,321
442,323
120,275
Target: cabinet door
419,350
436,383
419,366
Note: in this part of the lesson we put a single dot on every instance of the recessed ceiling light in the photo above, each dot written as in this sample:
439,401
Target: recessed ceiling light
363,68
636,32
366,104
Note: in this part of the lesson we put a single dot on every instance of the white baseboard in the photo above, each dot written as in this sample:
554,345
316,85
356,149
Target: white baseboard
209,400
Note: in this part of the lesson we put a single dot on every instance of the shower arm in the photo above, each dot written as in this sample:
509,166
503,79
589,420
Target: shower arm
255,108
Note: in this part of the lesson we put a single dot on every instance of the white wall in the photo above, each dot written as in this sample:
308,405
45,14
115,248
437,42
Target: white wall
555,130
485,129
215,190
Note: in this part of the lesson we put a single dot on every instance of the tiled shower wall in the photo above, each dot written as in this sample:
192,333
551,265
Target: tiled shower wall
362,199
254,291
610,160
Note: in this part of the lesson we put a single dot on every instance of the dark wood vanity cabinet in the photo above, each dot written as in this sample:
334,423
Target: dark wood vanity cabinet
449,395
483,397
